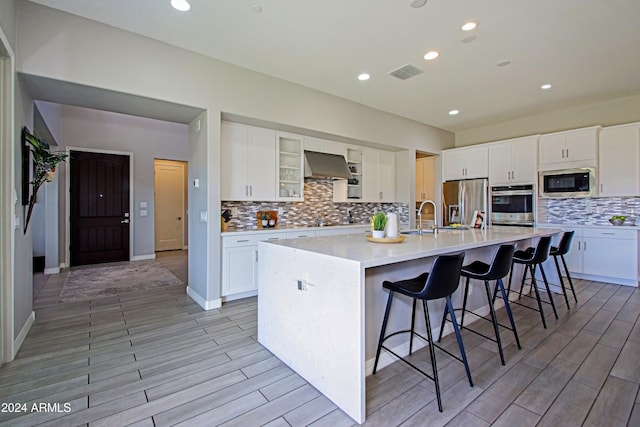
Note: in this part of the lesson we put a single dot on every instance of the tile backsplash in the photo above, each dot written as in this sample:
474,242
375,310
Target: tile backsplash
318,200
588,211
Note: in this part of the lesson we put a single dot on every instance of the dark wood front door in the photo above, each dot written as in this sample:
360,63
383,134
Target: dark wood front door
99,192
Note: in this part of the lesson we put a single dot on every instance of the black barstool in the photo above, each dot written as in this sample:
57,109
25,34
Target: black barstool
441,282
531,259
479,270
563,248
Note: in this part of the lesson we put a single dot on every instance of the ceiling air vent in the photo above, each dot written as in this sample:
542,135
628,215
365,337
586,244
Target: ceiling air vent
405,72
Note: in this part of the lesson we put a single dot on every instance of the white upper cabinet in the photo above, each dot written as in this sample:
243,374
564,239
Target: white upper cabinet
379,176
290,167
619,161
465,163
247,163
513,161
568,149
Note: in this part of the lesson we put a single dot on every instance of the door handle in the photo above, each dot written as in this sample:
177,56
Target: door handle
124,221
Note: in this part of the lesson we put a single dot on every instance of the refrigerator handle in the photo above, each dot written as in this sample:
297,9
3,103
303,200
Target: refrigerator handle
461,195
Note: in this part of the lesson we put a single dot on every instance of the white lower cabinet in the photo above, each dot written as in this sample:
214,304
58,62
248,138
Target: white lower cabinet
240,262
240,256
605,254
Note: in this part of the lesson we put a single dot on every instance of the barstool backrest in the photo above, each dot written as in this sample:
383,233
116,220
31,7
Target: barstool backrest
444,277
501,263
565,243
541,253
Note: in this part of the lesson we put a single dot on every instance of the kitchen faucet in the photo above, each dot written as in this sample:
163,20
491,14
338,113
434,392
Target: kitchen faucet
435,217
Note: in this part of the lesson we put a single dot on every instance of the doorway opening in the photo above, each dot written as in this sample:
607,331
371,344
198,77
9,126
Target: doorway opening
170,204
8,196
99,201
426,188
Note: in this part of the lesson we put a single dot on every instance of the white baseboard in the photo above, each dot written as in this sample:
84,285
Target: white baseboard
17,343
143,257
206,305
53,270
239,296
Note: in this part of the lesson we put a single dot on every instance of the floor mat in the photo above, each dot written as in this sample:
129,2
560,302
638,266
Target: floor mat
97,282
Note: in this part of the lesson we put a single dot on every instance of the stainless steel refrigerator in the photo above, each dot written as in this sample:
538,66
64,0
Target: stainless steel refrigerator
462,199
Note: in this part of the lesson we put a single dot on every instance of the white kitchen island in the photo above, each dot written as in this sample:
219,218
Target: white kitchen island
320,300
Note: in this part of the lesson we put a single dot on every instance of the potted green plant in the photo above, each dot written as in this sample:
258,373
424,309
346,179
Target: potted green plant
44,167
378,223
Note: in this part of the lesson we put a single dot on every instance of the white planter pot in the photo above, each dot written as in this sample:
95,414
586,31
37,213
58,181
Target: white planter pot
377,234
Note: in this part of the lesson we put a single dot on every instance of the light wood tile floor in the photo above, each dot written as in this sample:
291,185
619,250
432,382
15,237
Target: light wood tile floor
154,358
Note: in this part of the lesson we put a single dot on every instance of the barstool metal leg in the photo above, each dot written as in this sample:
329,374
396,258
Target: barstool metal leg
432,353
564,291
546,285
507,306
535,288
524,278
494,320
564,263
413,322
382,330
464,301
459,338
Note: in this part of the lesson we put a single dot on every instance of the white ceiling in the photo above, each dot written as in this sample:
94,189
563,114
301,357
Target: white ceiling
588,50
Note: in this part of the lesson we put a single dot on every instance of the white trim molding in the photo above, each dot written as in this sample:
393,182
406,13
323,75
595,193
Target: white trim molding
207,305
143,257
23,332
52,270
8,194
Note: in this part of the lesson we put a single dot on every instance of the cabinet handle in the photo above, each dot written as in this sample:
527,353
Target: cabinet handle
578,245
246,190
563,153
609,234
256,256
273,238
567,153
585,246
251,190
242,241
601,188
380,195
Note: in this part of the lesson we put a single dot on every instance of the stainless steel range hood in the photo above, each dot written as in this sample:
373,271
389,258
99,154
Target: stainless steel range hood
325,166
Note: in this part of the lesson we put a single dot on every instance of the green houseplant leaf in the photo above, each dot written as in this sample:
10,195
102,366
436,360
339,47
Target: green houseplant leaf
379,221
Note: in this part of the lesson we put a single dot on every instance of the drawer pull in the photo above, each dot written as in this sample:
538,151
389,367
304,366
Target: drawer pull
242,241
609,234
273,238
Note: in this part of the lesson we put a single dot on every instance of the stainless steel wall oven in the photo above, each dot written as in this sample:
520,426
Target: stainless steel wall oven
513,205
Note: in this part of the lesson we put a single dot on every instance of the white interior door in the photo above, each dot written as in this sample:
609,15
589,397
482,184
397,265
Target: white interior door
169,204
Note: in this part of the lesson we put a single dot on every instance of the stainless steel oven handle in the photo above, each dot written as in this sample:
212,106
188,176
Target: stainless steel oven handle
513,193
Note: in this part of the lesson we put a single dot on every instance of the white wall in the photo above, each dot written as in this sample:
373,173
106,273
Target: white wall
146,138
618,111
69,48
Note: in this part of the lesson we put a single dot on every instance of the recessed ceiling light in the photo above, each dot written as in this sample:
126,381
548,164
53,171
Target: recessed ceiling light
454,112
363,77
431,55
181,5
504,63
545,86
468,26
417,3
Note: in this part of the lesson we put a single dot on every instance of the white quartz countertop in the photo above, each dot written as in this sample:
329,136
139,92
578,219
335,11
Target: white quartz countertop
356,247
625,226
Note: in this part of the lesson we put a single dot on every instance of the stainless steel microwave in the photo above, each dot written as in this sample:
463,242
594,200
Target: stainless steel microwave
579,182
